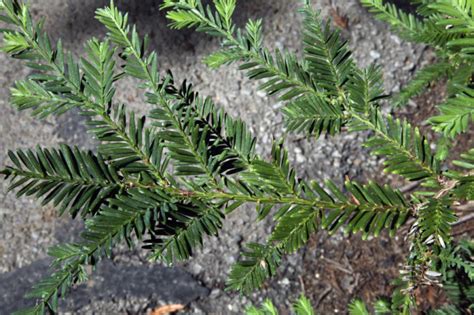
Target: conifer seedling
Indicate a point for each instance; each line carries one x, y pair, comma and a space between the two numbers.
169, 178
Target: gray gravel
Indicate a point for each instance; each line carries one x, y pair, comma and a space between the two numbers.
27, 230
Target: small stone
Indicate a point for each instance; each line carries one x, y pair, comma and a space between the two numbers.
285, 282
196, 269
214, 293
409, 66
261, 94
374, 54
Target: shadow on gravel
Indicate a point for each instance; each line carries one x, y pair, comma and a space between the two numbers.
111, 282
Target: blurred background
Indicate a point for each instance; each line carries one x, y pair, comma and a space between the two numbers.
330, 271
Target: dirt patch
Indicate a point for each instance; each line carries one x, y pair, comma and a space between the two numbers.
338, 272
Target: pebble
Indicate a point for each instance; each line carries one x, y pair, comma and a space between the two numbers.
285, 281
374, 54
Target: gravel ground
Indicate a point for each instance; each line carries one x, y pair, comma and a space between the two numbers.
27, 230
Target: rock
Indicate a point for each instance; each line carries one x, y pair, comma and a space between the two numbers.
109, 282
374, 54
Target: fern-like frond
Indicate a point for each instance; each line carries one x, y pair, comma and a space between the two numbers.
434, 222
48, 291
187, 224
128, 144
75, 181
303, 306
124, 214
30, 94
402, 299
464, 177
281, 71
407, 152
193, 14
357, 307
467, 160
457, 257
365, 89
258, 263
458, 14
406, 24
314, 116
328, 57
460, 77
295, 227
422, 79
229, 139
370, 209
456, 114
445, 24
99, 72
138, 64
193, 137
267, 308
277, 178
185, 140
59, 75
446, 310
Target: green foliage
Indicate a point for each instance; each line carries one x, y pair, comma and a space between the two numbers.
358, 307
267, 309
435, 221
329, 59
421, 80
259, 262
456, 114
167, 179
404, 23
407, 152
457, 257
449, 27
72, 180
302, 306
314, 116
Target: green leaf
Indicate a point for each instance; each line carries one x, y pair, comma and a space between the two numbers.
314, 116
76, 181
303, 306
357, 307
435, 221
328, 57
422, 79
407, 152
267, 308
258, 263
407, 25
456, 114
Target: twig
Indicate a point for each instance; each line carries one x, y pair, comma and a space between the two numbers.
409, 187
337, 266
468, 207
323, 296
302, 285
464, 219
